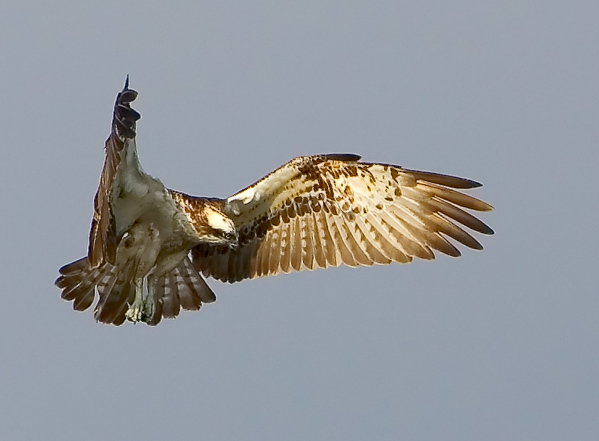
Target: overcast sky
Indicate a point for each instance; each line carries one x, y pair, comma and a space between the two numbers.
496, 345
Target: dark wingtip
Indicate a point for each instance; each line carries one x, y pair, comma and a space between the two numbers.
342, 156
124, 116
127, 95
445, 180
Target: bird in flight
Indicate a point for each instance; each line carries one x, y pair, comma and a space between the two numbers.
149, 246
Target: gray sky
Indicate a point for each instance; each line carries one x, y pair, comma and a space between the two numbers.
496, 345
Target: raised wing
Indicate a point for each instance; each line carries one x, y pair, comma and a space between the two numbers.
321, 211
102, 237
137, 264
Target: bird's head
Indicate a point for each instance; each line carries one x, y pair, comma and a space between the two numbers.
217, 228
209, 224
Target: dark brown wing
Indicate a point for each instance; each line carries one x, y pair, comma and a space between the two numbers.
328, 210
102, 236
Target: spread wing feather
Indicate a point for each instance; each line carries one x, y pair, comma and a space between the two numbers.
328, 210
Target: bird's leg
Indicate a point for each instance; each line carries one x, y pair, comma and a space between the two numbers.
135, 312
150, 303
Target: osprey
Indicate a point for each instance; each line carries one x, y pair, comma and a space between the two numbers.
149, 246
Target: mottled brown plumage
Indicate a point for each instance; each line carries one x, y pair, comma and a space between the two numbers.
148, 245
331, 210
140, 238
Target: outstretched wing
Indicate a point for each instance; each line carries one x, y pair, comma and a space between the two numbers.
102, 236
328, 210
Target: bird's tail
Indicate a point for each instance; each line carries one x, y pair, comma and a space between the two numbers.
183, 287
80, 282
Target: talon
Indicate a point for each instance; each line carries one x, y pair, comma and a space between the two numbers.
134, 315
135, 312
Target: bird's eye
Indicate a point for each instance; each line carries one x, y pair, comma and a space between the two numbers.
229, 236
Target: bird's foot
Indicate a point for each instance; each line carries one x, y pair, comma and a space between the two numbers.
135, 313
141, 311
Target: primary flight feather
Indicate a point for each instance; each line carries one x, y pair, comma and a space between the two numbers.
150, 245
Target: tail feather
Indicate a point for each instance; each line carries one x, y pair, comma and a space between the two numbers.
84, 302
182, 288
198, 291
159, 294
116, 293
201, 286
170, 298
78, 281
